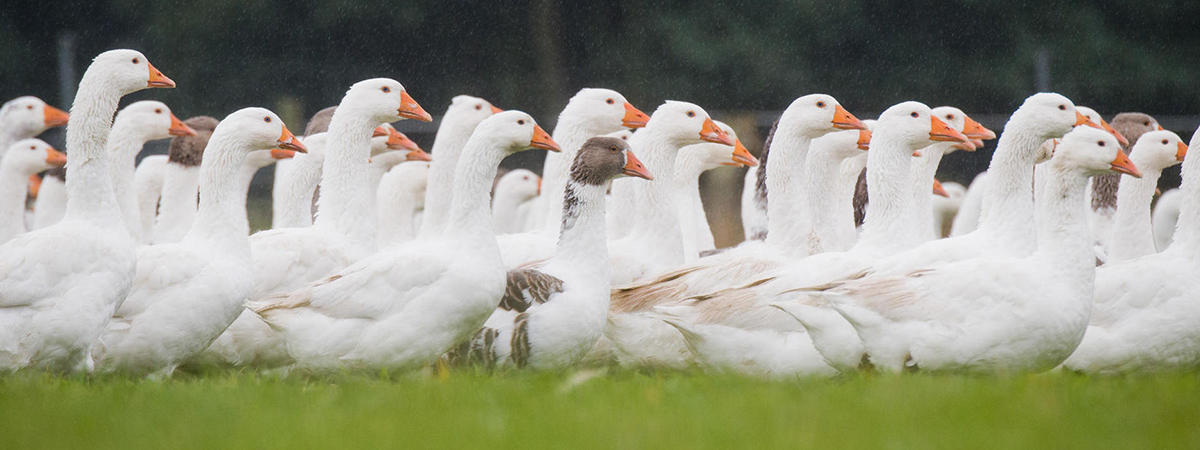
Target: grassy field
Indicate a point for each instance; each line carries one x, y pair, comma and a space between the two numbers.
604, 410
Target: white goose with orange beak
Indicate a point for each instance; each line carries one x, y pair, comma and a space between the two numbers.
136, 124
24, 159
26, 117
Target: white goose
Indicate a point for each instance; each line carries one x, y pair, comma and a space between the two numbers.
1131, 235
1027, 315
690, 164
288, 258
404, 307
834, 163
181, 181
26, 117
185, 294
296, 184
62, 283
1145, 313
514, 189
462, 116
553, 313
22, 159
148, 183
136, 124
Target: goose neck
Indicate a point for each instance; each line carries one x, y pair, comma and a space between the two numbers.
1008, 199
89, 185
177, 208
924, 169
1187, 230
295, 198
224, 181
448, 146
570, 133
398, 202
582, 241
887, 223
345, 199
823, 174
470, 213
13, 188
787, 221
1132, 235
1062, 233
659, 199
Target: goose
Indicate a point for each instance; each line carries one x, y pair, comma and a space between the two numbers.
926, 166
26, 117
186, 293
136, 124
590, 112
56, 303
513, 190
181, 181
690, 164
1165, 219
401, 196
946, 207
902, 133
829, 206
533, 220
51, 202
1026, 315
1102, 191
148, 183
807, 118
21, 160
286, 259
1131, 235
655, 243
1144, 315
462, 116
397, 148
404, 307
296, 179
553, 312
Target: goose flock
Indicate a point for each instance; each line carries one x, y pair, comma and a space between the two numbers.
382, 256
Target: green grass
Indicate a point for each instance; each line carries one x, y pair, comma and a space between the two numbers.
616, 410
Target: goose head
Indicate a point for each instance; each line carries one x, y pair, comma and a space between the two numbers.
127, 71
603, 158
468, 111
1098, 121
914, 126
188, 150
685, 124
1049, 115
259, 129
957, 120
383, 100
1132, 125
520, 183
815, 115
717, 155
1158, 150
30, 156
514, 131
1094, 152
607, 110
386, 138
29, 116
149, 120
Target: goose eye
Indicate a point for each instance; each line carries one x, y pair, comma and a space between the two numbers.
478, 107
386, 89
820, 104
29, 107
609, 101
1164, 142
1062, 107
521, 122
1143, 123
691, 114
1100, 143
949, 116
915, 114
135, 60
158, 111
613, 148
267, 119
33, 147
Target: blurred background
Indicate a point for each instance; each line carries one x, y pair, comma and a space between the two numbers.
741, 60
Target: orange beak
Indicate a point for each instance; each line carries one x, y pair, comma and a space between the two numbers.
939, 131
157, 79
1122, 164
541, 139
1159, 127
496, 110
418, 155
939, 190
978, 143
1081, 119
54, 117
917, 153
35, 184
633, 117
1120, 139
279, 153
974, 130
409, 109
178, 128
399, 141
380, 131
968, 146
864, 140
55, 158
635, 168
843, 120
288, 141
712, 133
741, 156
1181, 151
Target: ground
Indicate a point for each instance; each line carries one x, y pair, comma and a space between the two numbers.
598, 410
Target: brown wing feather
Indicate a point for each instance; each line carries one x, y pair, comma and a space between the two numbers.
526, 286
